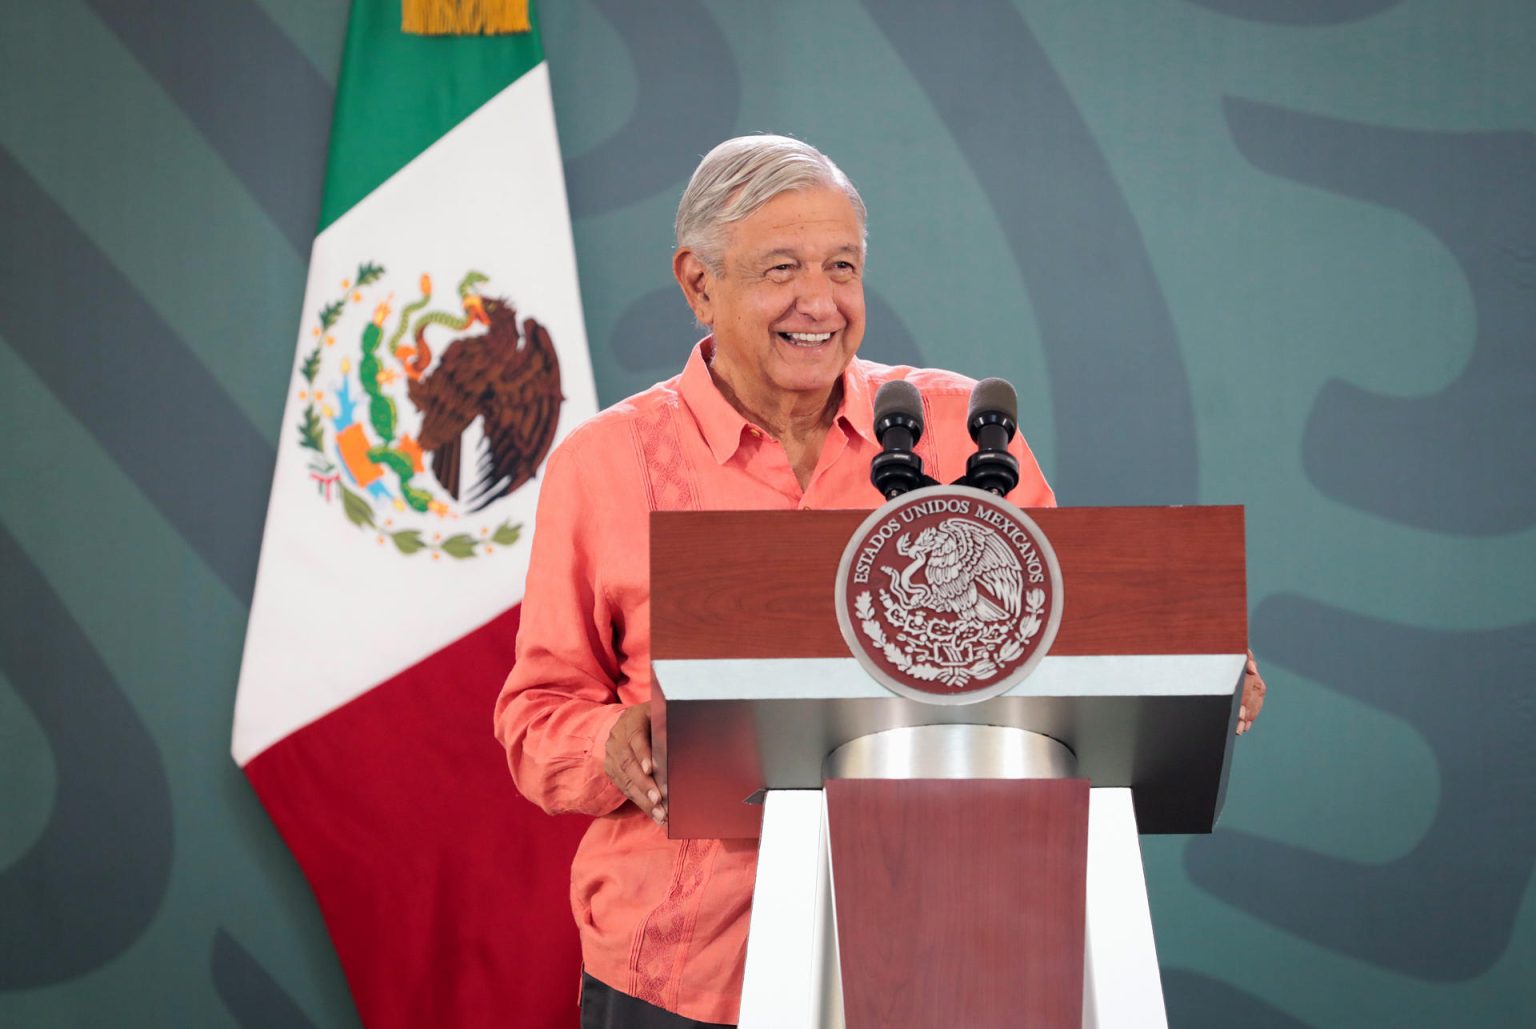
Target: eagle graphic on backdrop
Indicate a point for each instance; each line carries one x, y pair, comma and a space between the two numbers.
507, 377
967, 570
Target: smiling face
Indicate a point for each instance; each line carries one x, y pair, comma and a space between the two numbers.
787, 308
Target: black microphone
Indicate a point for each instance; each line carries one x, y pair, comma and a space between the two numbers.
898, 427
993, 418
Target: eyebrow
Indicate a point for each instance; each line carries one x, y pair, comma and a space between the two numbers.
847, 248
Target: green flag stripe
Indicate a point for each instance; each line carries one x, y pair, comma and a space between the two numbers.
399, 94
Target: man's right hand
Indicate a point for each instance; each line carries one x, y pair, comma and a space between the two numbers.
627, 761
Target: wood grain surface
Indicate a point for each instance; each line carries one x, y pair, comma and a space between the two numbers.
960, 902
1135, 580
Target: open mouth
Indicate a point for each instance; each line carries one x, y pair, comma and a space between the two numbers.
808, 340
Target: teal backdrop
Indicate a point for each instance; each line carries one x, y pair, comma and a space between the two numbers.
1278, 253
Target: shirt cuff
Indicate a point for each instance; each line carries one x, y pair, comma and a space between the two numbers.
607, 798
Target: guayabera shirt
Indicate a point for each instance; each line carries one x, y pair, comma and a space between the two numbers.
666, 920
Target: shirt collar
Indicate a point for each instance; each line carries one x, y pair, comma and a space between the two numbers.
722, 425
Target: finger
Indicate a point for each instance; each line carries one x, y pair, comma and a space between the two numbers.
640, 754
638, 786
623, 770
640, 746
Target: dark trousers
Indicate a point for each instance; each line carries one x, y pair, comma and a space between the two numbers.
603, 1007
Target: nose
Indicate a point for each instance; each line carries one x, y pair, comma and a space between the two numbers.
815, 297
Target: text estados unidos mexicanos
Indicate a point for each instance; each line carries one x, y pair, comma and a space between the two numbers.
871, 548
1015, 534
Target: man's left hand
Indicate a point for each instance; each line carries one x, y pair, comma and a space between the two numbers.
1253, 696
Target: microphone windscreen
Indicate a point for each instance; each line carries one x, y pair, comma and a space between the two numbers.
899, 397
994, 395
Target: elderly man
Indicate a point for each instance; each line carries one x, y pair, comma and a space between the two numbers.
772, 411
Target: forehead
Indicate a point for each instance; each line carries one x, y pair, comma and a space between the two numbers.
821, 220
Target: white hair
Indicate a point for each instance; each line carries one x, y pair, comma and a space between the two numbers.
739, 176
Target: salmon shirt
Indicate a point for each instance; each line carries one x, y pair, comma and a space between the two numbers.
666, 920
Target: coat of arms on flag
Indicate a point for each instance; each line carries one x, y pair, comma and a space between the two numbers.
418, 427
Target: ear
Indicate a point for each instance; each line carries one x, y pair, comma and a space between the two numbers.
694, 277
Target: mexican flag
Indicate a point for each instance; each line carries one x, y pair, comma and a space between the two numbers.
441, 353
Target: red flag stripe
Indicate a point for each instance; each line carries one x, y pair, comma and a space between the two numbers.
446, 893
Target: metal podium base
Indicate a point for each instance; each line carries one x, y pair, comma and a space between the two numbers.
792, 969
952, 752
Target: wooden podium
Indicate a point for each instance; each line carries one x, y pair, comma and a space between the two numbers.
947, 864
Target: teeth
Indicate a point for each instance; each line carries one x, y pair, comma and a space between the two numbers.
808, 337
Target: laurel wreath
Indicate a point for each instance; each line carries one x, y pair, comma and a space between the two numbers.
894, 654
460, 546
955, 677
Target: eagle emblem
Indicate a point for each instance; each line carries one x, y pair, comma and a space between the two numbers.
434, 417
949, 592
966, 570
